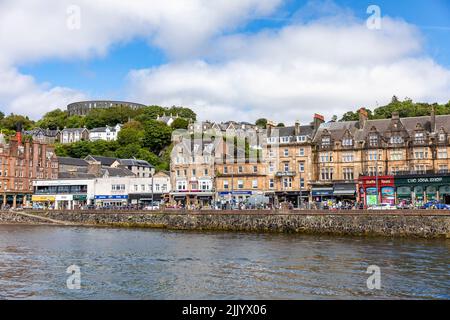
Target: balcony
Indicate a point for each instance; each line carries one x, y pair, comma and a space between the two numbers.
286, 174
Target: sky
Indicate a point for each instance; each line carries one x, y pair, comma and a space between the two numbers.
227, 60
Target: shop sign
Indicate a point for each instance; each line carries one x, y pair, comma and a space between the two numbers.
80, 197
109, 197
43, 198
66, 197
422, 180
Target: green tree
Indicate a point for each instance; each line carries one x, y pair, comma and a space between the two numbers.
10, 122
157, 135
180, 123
53, 120
130, 135
281, 124
262, 123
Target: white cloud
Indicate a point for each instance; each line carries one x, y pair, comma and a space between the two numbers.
327, 66
35, 30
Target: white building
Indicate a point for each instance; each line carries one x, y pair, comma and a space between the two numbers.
72, 194
105, 133
71, 135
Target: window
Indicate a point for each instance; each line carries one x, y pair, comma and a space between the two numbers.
255, 184
419, 137
374, 155
286, 166
271, 153
284, 139
271, 167
326, 173
441, 137
326, 141
443, 168
326, 157
143, 187
396, 140
347, 157
301, 152
240, 169
348, 174
301, 166
225, 170
396, 155
420, 168
286, 152
373, 171
271, 184
240, 184
181, 185
442, 153
206, 172
287, 182
225, 184
373, 140
301, 138
302, 183
193, 172
421, 153
205, 185
255, 169
346, 142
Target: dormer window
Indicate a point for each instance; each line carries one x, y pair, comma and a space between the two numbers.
284, 139
373, 140
326, 141
347, 142
441, 137
301, 138
420, 137
396, 140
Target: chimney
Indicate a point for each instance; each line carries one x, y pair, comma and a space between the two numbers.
433, 118
318, 120
19, 133
297, 127
395, 115
363, 116
94, 168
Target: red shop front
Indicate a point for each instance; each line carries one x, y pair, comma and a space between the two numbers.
368, 193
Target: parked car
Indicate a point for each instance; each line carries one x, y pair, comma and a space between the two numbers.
383, 206
152, 206
435, 206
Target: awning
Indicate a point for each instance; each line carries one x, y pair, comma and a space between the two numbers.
319, 192
344, 189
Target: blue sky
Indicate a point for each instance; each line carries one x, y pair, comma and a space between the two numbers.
142, 65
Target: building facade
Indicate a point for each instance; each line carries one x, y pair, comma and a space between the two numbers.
84, 107
21, 163
105, 133
71, 135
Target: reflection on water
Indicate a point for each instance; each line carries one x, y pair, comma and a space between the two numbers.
155, 264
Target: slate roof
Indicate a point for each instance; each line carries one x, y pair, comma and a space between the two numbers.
134, 162
105, 161
72, 161
117, 172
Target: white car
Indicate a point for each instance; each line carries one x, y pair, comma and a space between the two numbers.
383, 206
154, 206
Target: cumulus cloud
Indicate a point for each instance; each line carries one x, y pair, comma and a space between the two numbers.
328, 66
36, 30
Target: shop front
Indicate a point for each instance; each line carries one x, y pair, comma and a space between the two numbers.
376, 190
421, 189
234, 197
43, 202
296, 198
193, 198
323, 195
144, 199
345, 192
111, 201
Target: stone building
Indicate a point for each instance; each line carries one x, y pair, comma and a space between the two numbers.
84, 107
289, 160
21, 163
71, 135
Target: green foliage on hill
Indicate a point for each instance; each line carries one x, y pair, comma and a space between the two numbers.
405, 108
141, 136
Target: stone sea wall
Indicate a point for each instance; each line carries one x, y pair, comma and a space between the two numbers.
365, 223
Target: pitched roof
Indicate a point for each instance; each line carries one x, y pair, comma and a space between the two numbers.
72, 161
134, 162
105, 161
117, 172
